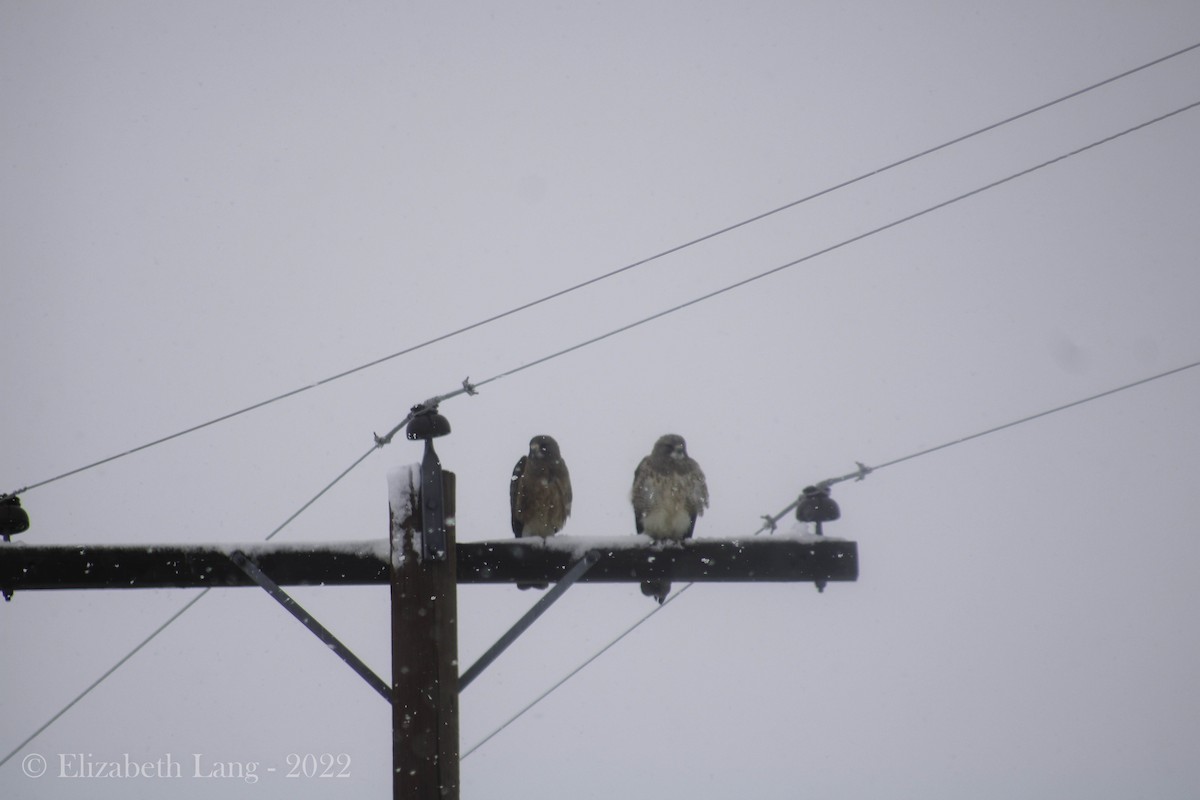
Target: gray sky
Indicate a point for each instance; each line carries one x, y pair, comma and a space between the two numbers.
205, 205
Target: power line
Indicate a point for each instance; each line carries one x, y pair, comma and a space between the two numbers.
380, 441
108, 672
843, 243
576, 671
1038, 416
470, 388
615, 272
863, 470
858, 474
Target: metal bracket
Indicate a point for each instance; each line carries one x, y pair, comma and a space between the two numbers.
433, 515
573, 574
296, 610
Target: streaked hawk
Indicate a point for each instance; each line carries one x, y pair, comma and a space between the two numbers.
540, 493
669, 492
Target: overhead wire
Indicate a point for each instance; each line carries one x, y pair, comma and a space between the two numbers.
612, 273
176, 615
380, 441
857, 238
772, 520
1030, 418
105, 675
574, 672
863, 471
153, 634
472, 388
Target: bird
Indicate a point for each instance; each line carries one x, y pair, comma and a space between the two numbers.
669, 492
540, 493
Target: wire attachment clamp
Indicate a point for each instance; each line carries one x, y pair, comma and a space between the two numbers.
428, 424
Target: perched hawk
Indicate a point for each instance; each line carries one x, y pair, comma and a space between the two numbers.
669, 492
540, 493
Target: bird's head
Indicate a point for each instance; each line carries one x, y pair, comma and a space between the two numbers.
671, 446
543, 447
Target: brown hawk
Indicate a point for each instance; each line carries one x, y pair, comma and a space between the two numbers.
540, 493
669, 492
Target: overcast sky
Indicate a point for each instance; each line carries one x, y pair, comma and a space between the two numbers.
203, 205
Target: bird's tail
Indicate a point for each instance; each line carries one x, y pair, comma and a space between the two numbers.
658, 588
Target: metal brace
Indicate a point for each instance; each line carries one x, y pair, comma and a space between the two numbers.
573, 574
258, 576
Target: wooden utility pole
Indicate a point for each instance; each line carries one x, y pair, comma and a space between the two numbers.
423, 564
424, 654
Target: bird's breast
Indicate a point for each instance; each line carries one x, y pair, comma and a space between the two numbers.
669, 520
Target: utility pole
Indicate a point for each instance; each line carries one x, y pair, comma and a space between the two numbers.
425, 750
423, 563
